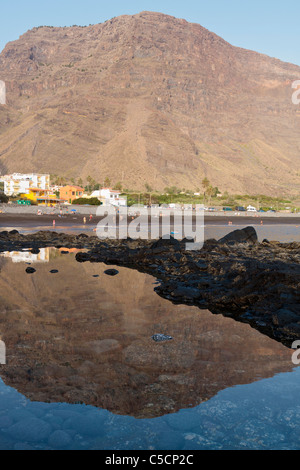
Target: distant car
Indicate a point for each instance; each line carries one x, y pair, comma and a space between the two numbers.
211, 209
240, 209
251, 209
227, 209
272, 210
261, 210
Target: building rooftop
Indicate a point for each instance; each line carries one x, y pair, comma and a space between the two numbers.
72, 186
40, 189
50, 199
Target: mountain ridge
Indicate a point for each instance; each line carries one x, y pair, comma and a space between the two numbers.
149, 98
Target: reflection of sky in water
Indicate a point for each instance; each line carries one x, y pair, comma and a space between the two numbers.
263, 415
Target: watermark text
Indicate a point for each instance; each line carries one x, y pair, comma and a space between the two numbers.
2, 353
2, 92
296, 94
296, 354
152, 223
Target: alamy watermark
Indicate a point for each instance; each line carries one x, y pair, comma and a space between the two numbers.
2, 353
152, 223
296, 354
2, 92
296, 94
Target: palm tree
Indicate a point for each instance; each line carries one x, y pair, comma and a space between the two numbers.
89, 180
61, 181
210, 192
205, 183
118, 186
107, 182
205, 186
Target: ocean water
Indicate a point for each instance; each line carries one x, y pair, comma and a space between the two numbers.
284, 233
264, 415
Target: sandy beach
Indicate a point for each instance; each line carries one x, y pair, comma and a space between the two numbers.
279, 227
24, 219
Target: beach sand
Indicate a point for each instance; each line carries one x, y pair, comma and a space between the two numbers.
280, 228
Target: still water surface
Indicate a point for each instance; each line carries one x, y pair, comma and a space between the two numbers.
83, 372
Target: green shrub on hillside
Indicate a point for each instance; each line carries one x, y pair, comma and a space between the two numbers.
3, 198
83, 201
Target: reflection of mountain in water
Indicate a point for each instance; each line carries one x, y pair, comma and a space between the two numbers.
72, 337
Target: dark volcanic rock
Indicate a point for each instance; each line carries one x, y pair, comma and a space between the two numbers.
246, 235
82, 257
163, 242
111, 272
30, 270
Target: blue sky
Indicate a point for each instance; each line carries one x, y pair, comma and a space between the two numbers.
267, 26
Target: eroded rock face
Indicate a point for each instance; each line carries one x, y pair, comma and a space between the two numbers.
253, 283
133, 88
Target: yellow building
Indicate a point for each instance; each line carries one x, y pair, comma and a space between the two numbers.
42, 197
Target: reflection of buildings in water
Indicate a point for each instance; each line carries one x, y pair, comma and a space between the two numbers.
26, 256
44, 256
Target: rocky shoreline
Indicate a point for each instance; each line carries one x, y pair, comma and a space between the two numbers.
255, 283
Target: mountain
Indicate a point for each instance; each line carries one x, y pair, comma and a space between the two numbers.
149, 99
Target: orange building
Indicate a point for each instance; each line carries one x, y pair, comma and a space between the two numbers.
70, 193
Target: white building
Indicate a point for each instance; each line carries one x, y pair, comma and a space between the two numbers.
108, 196
21, 183
55, 188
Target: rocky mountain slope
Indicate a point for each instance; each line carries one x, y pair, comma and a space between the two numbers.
149, 98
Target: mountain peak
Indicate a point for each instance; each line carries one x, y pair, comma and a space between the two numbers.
149, 98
